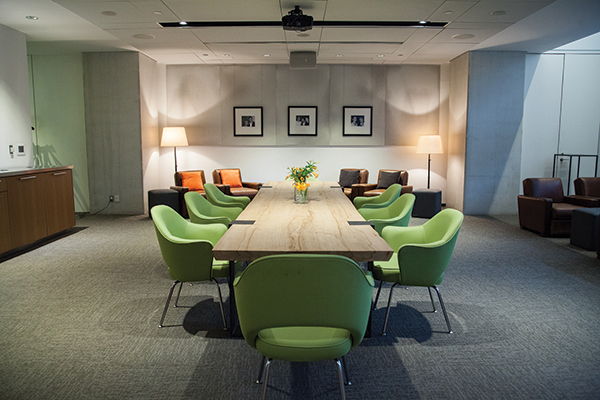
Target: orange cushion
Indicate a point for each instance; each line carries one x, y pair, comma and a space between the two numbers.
192, 180
231, 177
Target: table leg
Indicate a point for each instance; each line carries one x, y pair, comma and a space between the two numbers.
232, 308
370, 323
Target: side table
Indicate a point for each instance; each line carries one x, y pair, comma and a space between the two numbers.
428, 202
167, 197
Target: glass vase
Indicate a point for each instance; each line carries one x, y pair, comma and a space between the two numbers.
300, 196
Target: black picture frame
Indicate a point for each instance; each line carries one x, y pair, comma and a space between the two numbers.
358, 121
302, 121
247, 121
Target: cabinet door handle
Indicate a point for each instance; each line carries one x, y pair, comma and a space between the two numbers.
28, 177
59, 173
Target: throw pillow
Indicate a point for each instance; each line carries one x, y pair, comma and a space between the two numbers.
231, 177
387, 179
192, 180
348, 177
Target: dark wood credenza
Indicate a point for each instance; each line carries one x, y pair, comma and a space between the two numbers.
35, 204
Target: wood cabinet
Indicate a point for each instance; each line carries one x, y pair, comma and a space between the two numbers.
5, 242
39, 203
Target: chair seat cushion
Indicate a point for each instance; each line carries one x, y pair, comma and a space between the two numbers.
373, 193
387, 271
304, 343
220, 269
244, 191
563, 211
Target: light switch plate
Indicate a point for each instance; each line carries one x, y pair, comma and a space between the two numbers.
20, 149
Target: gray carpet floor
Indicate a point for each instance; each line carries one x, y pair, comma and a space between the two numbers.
79, 320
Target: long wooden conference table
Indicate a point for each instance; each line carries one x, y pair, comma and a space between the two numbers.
274, 224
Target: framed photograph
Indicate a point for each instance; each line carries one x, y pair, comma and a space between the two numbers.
247, 121
302, 121
358, 121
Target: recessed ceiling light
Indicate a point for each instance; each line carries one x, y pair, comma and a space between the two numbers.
380, 55
144, 36
204, 55
182, 23
225, 55
304, 35
157, 12
109, 13
339, 55
463, 36
32, 17
422, 22
400, 55
449, 12
498, 13
266, 55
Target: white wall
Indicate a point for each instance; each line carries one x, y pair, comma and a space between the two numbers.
562, 114
15, 118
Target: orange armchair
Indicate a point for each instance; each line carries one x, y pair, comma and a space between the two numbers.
232, 177
385, 179
192, 180
350, 178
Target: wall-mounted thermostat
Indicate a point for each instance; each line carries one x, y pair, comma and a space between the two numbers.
20, 149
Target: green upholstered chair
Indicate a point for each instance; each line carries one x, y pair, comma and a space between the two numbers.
216, 197
187, 250
383, 200
421, 255
201, 211
396, 214
303, 307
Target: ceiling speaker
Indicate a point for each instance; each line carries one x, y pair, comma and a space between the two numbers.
303, 60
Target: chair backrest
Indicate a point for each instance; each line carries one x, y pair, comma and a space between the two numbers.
588, 186
197, 204
544, 187
402, 206
213, 192
185, 247
178, 181
216, 174
303, 290
402, 177
390, 194
424, 263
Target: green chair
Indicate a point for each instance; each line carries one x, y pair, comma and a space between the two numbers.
383, 200
187, 250
396, 214
216, 197
303, 307
202, 212
421, 255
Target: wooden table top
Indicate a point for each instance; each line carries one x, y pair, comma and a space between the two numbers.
318, 227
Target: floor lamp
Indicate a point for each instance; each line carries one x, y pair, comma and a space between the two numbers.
174, 136
429, 144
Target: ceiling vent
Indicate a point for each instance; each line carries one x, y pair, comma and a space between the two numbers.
303, 60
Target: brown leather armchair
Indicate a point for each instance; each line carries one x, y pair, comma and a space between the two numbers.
544, 209
349, 180
249, 189
385, 178
184, 189
587, 188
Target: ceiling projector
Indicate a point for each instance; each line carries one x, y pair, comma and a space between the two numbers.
297, 21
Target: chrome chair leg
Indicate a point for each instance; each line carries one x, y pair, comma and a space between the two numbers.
265, 378
347, 382
431, 297
340, 374
177, 298
260, 372
221, 304
162, 319
387, 313
443, 309
377, 296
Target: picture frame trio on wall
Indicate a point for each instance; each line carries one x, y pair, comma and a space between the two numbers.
302, 121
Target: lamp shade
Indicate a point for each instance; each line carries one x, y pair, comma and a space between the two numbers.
174, 136
430, 144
